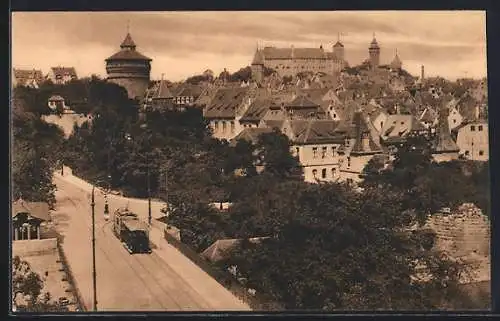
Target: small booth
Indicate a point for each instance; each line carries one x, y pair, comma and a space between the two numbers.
27, 218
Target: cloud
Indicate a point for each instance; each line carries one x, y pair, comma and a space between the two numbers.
193, 39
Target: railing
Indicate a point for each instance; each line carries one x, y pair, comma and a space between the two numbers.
71, 280
256, 302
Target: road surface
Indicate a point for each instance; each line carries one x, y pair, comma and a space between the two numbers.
162, 281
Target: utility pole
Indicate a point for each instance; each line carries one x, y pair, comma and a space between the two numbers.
94, 279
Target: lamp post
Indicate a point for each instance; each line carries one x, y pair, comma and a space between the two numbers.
94, 279
94, 274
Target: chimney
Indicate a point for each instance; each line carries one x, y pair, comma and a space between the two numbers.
422, 74
293, 52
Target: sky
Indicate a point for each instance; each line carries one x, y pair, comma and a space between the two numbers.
451, 44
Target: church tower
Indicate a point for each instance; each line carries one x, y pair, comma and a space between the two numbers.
396, 63
129, 69
374, 52
257, 66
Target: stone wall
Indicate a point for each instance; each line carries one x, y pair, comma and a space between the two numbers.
465, 234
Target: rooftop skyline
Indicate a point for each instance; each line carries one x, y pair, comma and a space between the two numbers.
183, 44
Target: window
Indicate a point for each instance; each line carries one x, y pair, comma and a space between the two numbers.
224, 126
334, 171
480, 128
323, 153
297, 150
481, 153
216, 125
315, 172
323, 173
348, 161
466, 153
334, 116
232, 127
315, 152
472, 128
381, 124
333, 151
454, 121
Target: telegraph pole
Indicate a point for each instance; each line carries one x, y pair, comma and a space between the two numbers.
94, 279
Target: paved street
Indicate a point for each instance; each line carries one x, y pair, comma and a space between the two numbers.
162, 281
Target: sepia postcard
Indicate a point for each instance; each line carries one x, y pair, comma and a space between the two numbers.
249, 161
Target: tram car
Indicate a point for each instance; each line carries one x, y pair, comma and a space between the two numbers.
132, 232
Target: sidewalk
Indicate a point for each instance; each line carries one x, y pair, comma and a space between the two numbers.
198, 279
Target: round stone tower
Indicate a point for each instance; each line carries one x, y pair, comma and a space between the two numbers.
129, 69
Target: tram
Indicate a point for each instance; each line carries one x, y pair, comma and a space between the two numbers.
132, 232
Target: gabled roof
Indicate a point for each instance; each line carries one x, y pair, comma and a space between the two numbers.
428, 115
252, 134
315, 95
39, 210
162, 91
64, 71
188, 90
272, 123
316, 131
257, 110
23, 76
219, 248
400, 125
362, 131
338, 44
226, 102
302, 102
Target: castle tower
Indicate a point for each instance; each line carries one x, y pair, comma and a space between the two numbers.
257, 66
338, 49
129, 69
422, 74
374, 52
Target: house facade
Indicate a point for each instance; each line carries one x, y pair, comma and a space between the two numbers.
62, 75
225, 111
472, 140
29, 78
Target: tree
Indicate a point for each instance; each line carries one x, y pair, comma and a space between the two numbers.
336, 249
37, 148
27, 285
273, 153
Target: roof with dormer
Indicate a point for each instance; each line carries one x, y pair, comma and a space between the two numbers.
316, 131
257, 110
226, 102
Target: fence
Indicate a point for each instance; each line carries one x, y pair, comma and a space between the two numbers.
71, 280
257, 302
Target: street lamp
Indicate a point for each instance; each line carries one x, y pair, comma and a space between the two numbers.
94, 275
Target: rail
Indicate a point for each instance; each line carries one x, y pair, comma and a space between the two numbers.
257, 302
80, 303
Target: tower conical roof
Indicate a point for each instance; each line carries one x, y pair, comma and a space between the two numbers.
128, 42
258, 58
374, 44
396, 62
